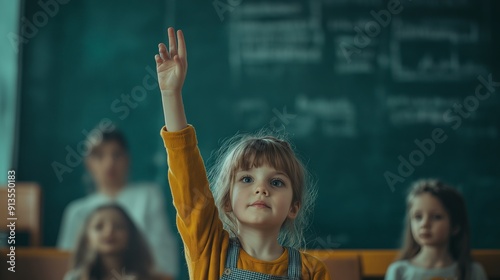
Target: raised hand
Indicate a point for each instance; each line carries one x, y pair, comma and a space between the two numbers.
171, 65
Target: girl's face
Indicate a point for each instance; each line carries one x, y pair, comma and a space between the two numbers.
108, 232
108, 164
262, 197
430, 222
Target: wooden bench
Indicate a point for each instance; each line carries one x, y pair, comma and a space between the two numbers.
50, 263
35, 263
373, 264
28, 209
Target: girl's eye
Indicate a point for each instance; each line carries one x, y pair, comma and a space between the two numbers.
117, 155
246, 179
417, 217
99, 226
277, 183
438, 217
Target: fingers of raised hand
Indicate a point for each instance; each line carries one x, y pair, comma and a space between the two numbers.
177, 48
158, 60
172, 42
162, 50
182, 45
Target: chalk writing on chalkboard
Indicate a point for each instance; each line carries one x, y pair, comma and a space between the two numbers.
263, 34
435, 50
410, 110
326, 117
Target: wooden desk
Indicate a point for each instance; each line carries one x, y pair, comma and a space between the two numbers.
49, 263
374, 263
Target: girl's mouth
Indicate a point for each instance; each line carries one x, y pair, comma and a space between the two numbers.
425, 235
260, 204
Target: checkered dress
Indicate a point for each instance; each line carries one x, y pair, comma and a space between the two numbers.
231, 272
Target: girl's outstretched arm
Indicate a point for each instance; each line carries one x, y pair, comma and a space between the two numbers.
197, 219
171, 66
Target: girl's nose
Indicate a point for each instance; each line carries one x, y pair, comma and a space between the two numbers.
261, 189
426, 221
108, 230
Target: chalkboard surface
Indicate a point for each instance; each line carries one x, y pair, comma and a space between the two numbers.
374, 94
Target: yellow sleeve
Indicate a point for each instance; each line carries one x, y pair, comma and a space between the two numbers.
314, 268
321, 273
197, 217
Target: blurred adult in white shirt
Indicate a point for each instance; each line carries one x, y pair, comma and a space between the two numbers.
108, 164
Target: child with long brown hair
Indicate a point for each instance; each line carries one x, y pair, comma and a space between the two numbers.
111, 247
436, 238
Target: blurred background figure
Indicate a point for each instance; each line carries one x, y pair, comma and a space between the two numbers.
436, 236
108, 163
111, 247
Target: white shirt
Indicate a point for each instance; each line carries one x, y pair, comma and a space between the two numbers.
404, 270
144, 204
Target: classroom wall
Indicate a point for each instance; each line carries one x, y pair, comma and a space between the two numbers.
353, 104
9, 77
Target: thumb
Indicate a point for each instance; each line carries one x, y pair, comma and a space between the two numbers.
158, 60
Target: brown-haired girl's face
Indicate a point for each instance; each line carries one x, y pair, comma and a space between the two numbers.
430, 222
108, 164
107, 232
262, 197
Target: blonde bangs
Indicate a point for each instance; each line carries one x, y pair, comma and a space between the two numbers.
259, 152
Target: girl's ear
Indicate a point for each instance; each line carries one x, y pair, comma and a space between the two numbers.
456, 230
294, 210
